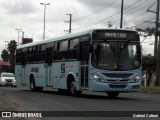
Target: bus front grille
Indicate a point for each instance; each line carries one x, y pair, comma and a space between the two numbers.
118, 81
113, 75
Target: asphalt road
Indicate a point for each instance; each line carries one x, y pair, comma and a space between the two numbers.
51, 100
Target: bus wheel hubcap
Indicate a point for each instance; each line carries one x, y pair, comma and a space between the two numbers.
72, 87
31, 85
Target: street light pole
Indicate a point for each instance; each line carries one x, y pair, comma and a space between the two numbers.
44, 18
18, 33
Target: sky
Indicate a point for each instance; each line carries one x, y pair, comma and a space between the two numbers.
28, 15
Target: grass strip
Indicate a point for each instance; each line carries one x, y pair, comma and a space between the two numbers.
151, 89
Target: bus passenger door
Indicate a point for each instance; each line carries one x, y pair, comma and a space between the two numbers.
84, 56
48, 67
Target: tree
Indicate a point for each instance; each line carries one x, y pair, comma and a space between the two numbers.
12, 45
5, 55
146, 32
149, 64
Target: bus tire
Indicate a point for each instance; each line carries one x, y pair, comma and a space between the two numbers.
112, 94
72, 88
32, 84
33, 87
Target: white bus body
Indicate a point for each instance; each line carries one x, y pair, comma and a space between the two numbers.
103, 60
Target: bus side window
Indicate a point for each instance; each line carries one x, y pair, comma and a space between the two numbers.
19, 57
64, 50
34, 54
49, 53
73, 49
55, 51
29, 54
43, 53
84, 49
84, 52
24, 56
61, 49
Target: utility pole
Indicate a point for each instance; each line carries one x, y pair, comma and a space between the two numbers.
18, 33
156, 36
70, 23
157, 49
121, 22
5, 44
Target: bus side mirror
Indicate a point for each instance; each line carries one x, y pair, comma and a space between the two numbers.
90, 48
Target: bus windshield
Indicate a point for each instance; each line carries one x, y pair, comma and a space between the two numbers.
116, 55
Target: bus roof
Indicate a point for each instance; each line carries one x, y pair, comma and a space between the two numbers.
4, 63
67, 36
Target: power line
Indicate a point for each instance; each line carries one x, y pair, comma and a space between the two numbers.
135, 17
144, 22
56, 28
104, 20
125, 9
133, 11
118, 12
95, 11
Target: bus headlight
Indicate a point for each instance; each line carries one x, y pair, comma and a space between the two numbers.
137, 79
96, 77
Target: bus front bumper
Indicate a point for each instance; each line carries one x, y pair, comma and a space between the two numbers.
120, 87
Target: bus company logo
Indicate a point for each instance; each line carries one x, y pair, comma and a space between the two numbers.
117, 81
34, 70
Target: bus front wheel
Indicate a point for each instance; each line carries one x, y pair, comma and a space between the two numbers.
112, 94
33, 87
32, 84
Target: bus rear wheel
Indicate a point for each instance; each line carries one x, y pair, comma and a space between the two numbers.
72, 89
112, 94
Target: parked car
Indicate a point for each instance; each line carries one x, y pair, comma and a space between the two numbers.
7, 79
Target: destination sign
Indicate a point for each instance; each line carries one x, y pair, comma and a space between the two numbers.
115, 35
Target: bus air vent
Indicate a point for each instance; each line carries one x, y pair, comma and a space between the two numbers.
117, 75
117, 86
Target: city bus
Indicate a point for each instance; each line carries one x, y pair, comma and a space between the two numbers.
95, 60
5, 67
